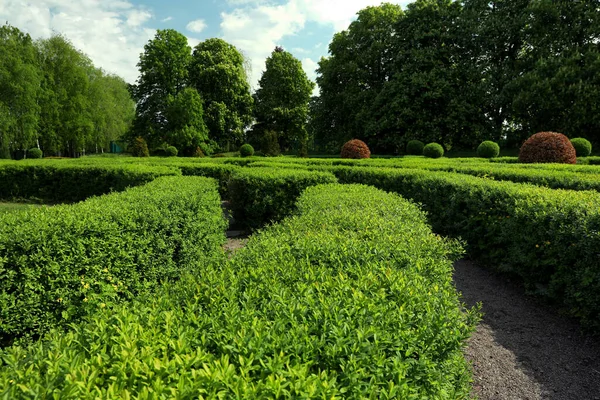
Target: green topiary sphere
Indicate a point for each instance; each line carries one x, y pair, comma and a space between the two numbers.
583, 147
433, 150
246, 150
171, 151
488, 149
415, 148
34, 153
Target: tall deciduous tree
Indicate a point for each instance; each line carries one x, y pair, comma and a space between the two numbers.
19, 88
217, 72
281, 102
186, 128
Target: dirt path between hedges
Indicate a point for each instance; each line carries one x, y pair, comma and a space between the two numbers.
523, 349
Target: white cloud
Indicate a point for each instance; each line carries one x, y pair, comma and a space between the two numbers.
111, 32
310, 67
196, 26
166, 19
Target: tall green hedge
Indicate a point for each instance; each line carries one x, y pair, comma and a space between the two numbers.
262, 195
59, 263
351, 299
547, 236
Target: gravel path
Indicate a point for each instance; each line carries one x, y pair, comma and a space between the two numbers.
523, 349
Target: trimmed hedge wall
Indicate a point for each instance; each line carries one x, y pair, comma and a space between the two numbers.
59, 263
262, 195
549, 237
60, 182
351, 299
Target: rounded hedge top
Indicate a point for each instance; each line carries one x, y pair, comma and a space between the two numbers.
488, 149
34, 153
355, 149
548, 147
171, 151
433, 150
583, 147
246, 150
415, 148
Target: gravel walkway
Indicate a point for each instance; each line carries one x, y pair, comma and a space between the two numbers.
523, 349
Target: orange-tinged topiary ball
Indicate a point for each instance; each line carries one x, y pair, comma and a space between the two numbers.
548, 147
355, 149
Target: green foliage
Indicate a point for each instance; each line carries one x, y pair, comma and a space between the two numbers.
34, 152
218, 73
262, 195
56, 182
415, 148
538, 233
69, 261
246, 150
281, 101
171, 151
352, 299
583, 147
548, 147
270, 144
355, 149
139, 147
433, 150
488, 149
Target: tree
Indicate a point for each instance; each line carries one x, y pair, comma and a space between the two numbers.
186, 129
360, 63
218, 74
163, 72
281, 102
20, 79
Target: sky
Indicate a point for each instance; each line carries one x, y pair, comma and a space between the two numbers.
113, 32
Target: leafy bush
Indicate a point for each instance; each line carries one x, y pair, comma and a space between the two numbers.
350, 299
68, 261
433, 150
355, 149
220, 172
34, 153
262, 195
171, 151
503, 220
415, 148
488, 149
246, 150
548, 147
56, 181
139, 148
583, 147
270, 144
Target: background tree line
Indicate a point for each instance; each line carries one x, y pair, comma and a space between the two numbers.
459, 72
53, 98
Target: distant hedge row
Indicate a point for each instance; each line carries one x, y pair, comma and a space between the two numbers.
352, 299
58, 264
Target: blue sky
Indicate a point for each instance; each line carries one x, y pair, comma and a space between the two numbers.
113, 32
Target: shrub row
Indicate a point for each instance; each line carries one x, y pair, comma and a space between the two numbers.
350, 299
58, 263
57, 181
548, 237
262, 195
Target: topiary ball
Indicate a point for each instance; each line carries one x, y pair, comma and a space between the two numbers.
488, 149
34, 153
355, 149
415, 148
583, 147
246, 150
171, 151
548, 147
433, 150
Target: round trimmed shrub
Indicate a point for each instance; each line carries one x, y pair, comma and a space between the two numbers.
415, 148
246, 150
488, 149
433, 150
139, 148
583, 147
355, 149
34, 153
548, 147
171, 151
